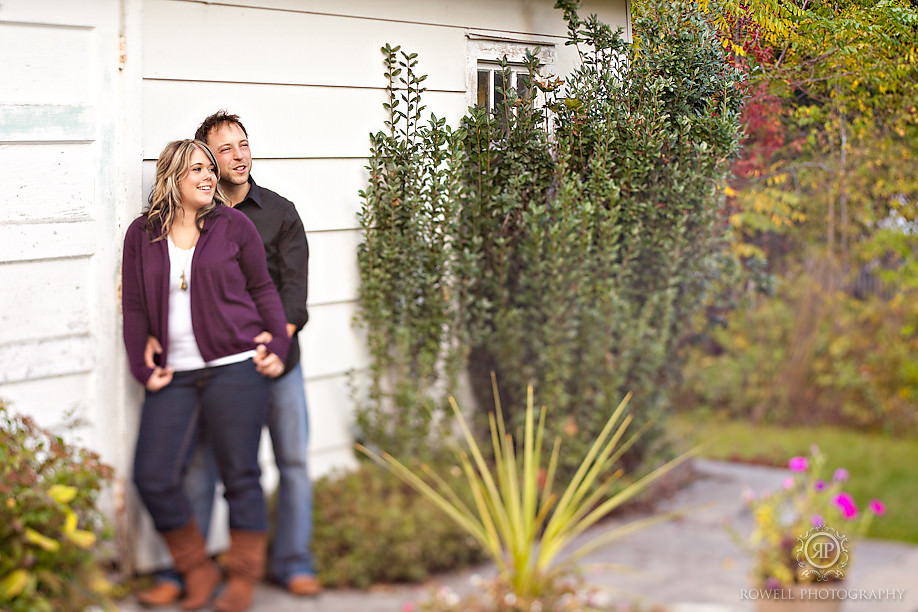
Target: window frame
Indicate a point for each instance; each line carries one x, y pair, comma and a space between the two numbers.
489, 49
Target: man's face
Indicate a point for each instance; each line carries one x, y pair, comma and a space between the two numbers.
231, 148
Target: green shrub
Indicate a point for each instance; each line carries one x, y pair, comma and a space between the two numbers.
587, 254
809, 355
571, 259
49, 523
370, 527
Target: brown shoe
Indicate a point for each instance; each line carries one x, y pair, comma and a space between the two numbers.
163, 593
303, 585
200, 574
245, 565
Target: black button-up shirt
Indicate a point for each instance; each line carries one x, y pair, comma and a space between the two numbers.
281, 229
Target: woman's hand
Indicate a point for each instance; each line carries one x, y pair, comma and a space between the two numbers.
267, 364
159, 378
152, 348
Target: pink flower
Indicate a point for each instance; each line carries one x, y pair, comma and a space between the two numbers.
820, 485
408, 607
840, 475
817, 521
877, 507
788, 483
847, 505
798, 464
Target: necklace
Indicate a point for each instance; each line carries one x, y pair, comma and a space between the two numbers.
183, 279
183, 284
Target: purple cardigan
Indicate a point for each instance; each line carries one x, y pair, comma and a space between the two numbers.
232, 296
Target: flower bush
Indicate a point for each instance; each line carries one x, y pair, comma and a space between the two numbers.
811, 509
50, 525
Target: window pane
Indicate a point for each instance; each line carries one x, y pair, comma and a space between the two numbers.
522, 86
498, 88
484, 88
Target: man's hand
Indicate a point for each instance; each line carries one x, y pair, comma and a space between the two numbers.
152, 348
159, 378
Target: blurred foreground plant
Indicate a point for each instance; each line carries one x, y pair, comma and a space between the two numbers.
521, 516
801, 531
49, 522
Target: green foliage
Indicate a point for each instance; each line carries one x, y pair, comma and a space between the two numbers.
587, 254
405, 266
811, 356
49, 522
565, 240
370, 528
834, 188
519, 517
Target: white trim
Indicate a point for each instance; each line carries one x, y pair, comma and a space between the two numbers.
490, 48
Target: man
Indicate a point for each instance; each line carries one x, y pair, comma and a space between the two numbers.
281, 229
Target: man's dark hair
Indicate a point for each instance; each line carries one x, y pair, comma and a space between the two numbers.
215, 121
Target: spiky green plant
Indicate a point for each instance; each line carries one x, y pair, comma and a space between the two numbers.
520, 515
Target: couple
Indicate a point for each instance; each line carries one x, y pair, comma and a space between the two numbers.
214, 292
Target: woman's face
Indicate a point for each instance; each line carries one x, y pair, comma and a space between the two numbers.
197, 186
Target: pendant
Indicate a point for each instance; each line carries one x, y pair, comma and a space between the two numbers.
182, 284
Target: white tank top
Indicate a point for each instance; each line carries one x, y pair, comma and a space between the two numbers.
184, 354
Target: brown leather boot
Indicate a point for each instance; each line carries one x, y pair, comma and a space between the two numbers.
245, 566
200, 574
163, 593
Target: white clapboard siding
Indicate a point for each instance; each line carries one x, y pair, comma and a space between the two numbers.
64, 108
288, 121
333, 271
506, 16
47, 404
322, 189
45, 181
290, 45
331, 344
330, 422
35, 73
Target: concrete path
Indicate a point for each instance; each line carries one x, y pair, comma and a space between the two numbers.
688, 564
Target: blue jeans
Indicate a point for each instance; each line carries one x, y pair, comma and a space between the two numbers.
288, 424
227, 407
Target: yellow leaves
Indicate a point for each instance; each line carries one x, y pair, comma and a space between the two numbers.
744, 250
40, 540
62, 494
729, 191
82, 538
14, 583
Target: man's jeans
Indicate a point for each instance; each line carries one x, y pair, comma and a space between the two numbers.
288, 424
231, 403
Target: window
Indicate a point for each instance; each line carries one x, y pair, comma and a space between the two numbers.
490, 86
484, 77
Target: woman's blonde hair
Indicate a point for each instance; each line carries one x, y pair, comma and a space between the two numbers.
165, 197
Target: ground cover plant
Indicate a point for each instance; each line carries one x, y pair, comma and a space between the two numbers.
50, 525
881, 467
372, 528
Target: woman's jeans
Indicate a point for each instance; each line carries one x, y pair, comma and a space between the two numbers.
288, 425
229, 405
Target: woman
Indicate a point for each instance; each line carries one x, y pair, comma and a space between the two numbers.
196, 291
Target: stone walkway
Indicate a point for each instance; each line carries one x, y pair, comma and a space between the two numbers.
689, 564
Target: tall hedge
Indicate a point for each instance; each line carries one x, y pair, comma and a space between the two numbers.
586, 225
